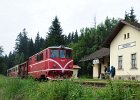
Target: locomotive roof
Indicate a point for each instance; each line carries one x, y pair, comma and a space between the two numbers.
51, 47
60, 47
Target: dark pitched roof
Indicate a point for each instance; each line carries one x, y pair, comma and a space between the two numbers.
118, 27
103, 52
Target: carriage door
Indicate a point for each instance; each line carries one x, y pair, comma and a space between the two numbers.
26, 69
20, 71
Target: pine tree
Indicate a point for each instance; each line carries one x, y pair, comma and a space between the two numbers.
76, 36
42, 41
22, 44
19, 58
31, 49
11, 60
131, 17
3, 66
1, 51
69, 40
37, 43
55, 37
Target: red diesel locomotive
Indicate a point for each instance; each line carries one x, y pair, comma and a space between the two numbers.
51, 63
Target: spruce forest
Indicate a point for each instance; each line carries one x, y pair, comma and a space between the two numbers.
83, 42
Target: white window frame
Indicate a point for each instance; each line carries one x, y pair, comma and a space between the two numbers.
120, 62
133, 61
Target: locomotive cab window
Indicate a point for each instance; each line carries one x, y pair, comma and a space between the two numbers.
62, 53
68, 54
54, 53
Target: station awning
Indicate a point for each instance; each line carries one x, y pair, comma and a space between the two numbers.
103, 52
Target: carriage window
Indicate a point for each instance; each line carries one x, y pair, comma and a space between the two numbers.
54, 53
40, 57
68, 54
62, 53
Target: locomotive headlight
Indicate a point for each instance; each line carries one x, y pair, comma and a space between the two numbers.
54, 65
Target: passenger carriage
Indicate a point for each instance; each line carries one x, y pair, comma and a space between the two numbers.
13, 72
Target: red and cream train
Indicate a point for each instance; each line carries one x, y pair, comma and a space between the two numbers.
51, 63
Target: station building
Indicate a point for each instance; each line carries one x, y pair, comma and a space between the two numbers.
123, 52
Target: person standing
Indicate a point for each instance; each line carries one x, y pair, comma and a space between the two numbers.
108, 69
112, 72
105, 69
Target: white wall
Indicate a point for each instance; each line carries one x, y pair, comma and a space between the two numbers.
125, 52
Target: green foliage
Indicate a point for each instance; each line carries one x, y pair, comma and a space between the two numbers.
55, 37
1, 51
39, 43
3, 66
15, 89
19, 58
72, 37
18, 89
22, 44
131, 17
90, 40
119, 90
31, 48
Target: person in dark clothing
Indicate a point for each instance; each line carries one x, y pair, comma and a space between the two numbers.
107, 72
105, 69
112, 71
108, 69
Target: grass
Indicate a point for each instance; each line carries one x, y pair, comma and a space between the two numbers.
28, 89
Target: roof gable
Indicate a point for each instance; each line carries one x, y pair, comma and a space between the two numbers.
117, 29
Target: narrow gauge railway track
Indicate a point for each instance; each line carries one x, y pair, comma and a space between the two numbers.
92, 83
103, 83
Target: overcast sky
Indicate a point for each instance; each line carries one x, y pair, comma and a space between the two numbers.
37, 15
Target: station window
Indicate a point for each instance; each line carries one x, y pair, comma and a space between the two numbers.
133, 61
128, 35
124, 36
120, 62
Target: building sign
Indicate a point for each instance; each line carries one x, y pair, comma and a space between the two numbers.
96, 61
127, 45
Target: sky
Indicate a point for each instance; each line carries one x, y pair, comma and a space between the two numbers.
37, 16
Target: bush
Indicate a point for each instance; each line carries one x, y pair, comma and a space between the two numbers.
116, 90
